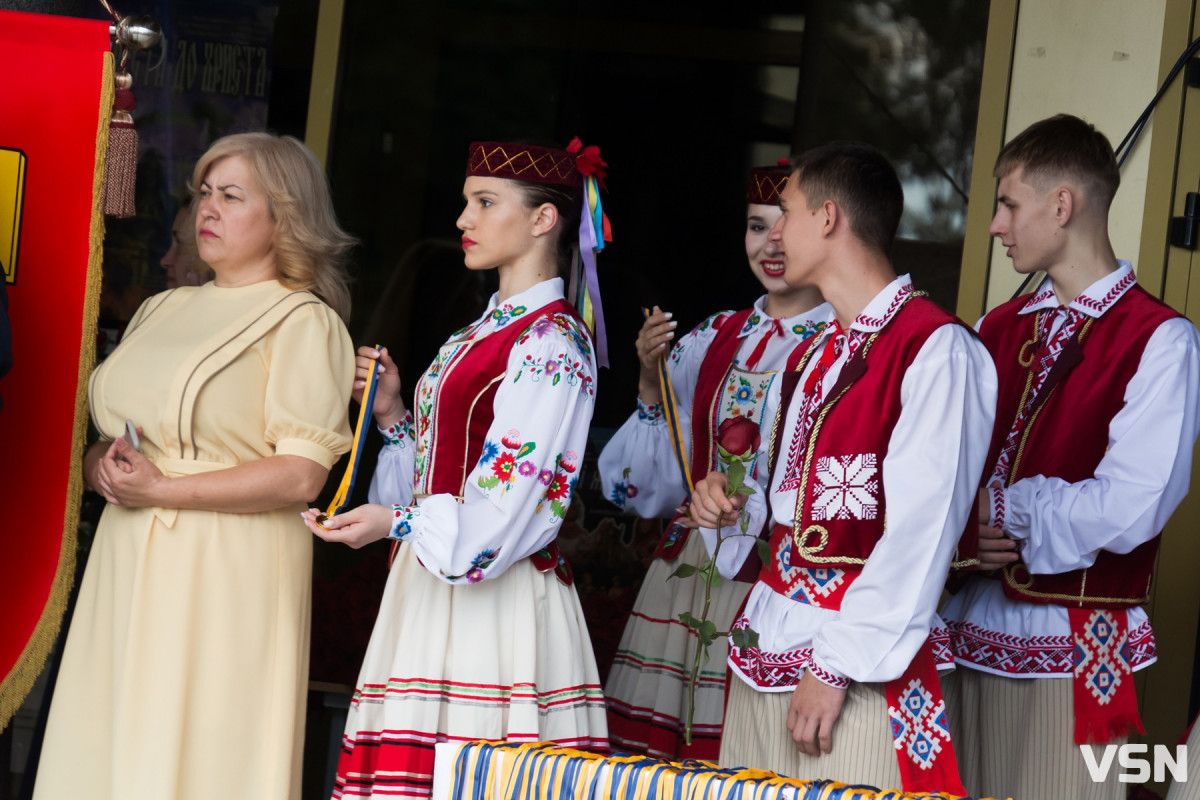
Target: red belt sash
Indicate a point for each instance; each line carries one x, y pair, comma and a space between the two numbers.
916, 709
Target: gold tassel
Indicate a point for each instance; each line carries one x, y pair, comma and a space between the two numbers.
120, 166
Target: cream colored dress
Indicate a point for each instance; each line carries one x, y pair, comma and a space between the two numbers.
186, 664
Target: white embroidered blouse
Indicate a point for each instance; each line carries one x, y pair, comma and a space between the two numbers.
517, 493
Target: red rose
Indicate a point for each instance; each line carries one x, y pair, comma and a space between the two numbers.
739, 437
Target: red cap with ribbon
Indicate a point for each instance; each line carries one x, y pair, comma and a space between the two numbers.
578, 167
767, 182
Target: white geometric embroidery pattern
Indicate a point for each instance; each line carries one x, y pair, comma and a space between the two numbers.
846, 487
919, 726
1100, 656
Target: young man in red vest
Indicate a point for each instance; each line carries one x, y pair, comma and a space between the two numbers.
875, 460
1095, 424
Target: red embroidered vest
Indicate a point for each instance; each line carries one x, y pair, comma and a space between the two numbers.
714, 368
463, 410
1066, 433
841, 511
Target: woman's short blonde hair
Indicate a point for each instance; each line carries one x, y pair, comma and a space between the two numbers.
311, 249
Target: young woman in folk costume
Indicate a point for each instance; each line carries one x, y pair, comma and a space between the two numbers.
724, 368
480, 633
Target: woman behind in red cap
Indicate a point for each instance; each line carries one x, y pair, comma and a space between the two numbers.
480, 634
723, 369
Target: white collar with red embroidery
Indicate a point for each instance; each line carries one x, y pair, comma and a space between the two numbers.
883, 306
1093, 301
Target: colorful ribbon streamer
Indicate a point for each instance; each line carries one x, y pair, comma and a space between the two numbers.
671, 412
587, 299
342, 496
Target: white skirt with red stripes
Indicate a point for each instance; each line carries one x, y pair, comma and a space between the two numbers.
503, 659
648, 686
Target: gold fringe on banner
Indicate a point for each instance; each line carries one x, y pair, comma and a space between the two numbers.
19, 681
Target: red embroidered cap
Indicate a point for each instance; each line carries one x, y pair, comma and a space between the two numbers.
767, 182
536, 164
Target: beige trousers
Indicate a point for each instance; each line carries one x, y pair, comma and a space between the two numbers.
1015, 737
1190, 790
756, 735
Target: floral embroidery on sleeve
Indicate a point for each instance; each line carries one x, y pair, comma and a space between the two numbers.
478, 564
401, 433
402, 517
507, 461
559, 483
682, 345
569, 365
557, 369
623, 490
650, 413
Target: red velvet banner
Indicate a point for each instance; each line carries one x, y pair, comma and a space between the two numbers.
55, 101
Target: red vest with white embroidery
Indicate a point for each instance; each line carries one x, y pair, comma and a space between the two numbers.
841, 512
463, 412
1066, 432
714, 368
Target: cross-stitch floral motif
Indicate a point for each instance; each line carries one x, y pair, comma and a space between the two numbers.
623, 490
562, 324
846, 487
745, 396
478, 564
808, 330
652, 412
558, 368
401, 433
751, 323
561, 484
503, 463
507, 313
402, 519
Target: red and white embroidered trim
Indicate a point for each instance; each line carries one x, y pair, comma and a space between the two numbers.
877, 323
1110, 297
1039, 655
778, 670
1014, 655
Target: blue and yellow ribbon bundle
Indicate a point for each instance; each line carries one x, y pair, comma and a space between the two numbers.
671, 412
342, 496
544, 771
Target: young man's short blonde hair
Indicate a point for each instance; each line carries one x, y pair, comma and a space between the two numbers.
1063, 147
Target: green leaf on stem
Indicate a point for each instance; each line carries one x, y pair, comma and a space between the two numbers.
737, 476
683, 571
687, 619
746, 490
764, 550
744, 637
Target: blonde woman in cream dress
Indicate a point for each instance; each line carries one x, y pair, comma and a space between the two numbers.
185, 669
